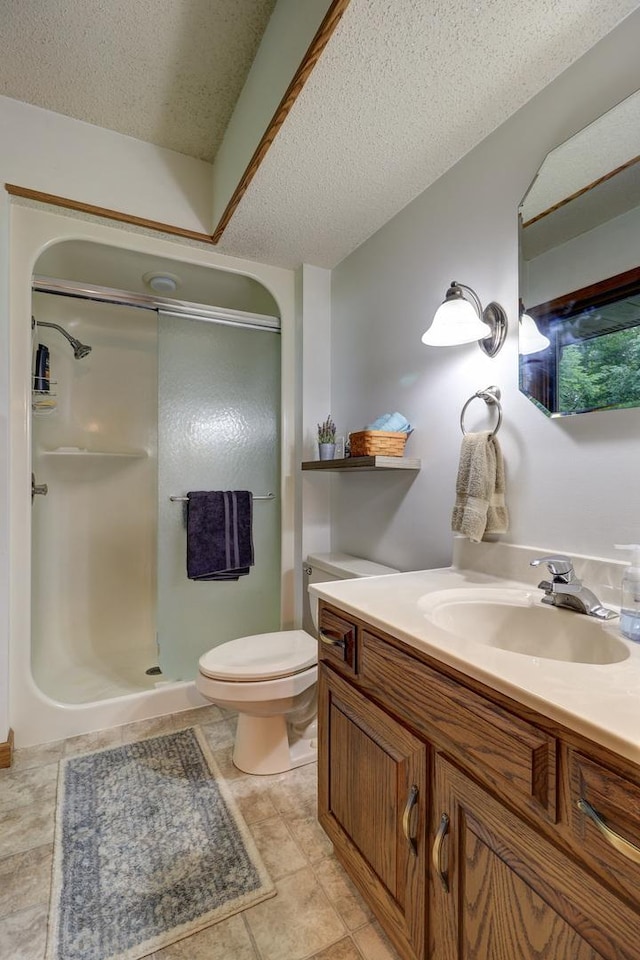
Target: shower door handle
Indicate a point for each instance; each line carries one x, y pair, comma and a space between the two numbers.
40, 489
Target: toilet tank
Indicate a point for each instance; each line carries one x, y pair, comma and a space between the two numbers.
322, 567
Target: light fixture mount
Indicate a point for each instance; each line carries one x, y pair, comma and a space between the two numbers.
495, 316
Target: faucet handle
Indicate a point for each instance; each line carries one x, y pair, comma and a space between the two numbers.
558, 564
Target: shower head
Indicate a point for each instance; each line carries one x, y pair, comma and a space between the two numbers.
80, 350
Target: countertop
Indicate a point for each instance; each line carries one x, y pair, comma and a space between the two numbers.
600, 701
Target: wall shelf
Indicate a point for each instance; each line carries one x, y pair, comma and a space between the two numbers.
364, 463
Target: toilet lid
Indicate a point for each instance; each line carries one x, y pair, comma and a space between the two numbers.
263, 656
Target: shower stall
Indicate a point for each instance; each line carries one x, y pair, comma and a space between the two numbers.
148, 398
94, 450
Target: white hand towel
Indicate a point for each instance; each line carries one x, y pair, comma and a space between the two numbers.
480, 505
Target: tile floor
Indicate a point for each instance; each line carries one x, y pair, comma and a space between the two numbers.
317, 912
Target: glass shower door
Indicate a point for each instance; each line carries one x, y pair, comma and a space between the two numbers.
218, 429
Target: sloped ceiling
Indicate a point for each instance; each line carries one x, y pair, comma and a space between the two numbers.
403, 90
165, 71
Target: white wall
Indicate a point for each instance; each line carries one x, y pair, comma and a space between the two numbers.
611, 248
45, 151
313, 401
316, 405
572, 483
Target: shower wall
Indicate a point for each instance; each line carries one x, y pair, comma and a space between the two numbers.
94, 534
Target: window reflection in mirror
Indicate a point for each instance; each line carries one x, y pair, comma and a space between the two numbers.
580, 270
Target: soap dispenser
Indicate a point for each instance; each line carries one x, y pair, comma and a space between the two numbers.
630, 607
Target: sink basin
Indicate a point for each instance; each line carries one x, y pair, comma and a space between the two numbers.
516, 620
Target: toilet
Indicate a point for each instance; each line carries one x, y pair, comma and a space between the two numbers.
270, 678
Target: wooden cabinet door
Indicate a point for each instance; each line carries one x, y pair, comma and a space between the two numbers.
500, 891
372, 804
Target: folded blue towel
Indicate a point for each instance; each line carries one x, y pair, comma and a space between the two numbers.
392, 423
219, 534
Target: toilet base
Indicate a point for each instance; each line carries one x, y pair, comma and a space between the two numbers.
262, 746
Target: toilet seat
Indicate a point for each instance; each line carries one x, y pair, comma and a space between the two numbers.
262, 656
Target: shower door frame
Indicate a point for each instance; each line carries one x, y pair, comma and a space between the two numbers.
35, 717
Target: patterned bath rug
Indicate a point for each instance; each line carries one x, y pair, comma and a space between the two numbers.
149, 848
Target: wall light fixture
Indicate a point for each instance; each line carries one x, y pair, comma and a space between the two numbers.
461, 319
531, 340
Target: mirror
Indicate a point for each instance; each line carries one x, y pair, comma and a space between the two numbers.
579, 231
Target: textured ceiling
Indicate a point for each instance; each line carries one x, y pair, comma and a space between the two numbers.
165, 71
403, 90
607, 143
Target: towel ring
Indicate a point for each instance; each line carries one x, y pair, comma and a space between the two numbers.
491, 396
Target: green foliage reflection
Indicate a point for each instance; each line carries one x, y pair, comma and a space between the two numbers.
603, 371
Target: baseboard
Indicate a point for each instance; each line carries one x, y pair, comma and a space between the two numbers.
6, 751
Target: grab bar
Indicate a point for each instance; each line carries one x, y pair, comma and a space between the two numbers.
267, 496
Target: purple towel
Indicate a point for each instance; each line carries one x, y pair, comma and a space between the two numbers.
219, 534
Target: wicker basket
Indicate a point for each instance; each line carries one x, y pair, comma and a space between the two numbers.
371, 443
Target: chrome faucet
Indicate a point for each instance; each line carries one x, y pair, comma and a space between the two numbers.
565, 590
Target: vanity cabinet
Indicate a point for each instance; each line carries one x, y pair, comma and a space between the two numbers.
372, 800
615, 800
456, 811
500, 890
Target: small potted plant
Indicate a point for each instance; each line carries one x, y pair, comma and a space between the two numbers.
327, 439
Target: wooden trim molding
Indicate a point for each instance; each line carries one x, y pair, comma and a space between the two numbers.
302, 74
51, 198
583, 190
325, 31
6, 751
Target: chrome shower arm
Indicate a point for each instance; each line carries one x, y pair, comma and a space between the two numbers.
55, 326
80, 350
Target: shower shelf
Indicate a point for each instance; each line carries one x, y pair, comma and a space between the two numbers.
77, 452
43, 402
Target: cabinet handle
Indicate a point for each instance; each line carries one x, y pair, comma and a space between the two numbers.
412, 799
436, 855
333, 641
623, 846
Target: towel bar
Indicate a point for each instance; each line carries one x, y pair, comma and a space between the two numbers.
491, 396
267, 496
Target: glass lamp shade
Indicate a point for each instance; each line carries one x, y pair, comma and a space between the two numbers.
530, 339
456, 321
